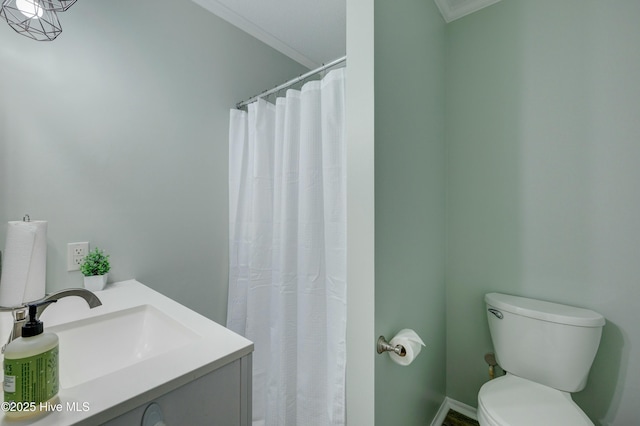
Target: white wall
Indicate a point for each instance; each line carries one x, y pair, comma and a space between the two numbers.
116, 133
360, 384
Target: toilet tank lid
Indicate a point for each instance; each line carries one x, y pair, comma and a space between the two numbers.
546, 311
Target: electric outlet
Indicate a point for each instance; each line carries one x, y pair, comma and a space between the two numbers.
75, 254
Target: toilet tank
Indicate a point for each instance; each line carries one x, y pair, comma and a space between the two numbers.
545, 342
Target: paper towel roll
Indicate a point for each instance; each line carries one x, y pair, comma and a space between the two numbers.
24, 263
412, 344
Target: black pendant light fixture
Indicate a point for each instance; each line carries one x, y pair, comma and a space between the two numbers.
58, 5
36, 19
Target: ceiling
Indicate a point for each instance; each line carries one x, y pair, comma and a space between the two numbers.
308, 31
455, 9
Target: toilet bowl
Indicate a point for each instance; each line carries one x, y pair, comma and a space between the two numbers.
547, 349
514, 401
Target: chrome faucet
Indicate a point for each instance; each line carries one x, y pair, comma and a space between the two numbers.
20, 312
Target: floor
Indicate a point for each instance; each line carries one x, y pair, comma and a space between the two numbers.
456, 419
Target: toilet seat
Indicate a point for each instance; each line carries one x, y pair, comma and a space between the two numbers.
513, 401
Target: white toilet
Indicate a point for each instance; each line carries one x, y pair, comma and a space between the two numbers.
547, 350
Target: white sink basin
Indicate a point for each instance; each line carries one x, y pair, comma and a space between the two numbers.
137, 346
97, 346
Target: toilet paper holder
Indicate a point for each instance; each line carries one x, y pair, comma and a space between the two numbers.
384, 346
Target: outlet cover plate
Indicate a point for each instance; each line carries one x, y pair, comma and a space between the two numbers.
75, 253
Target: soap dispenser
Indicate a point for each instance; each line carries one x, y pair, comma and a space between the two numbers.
30, 369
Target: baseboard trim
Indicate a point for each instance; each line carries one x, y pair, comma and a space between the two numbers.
441, 414
452, 404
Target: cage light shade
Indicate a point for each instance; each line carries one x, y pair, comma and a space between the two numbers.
58, 5
32, 19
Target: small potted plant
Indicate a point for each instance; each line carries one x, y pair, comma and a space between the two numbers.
95, 267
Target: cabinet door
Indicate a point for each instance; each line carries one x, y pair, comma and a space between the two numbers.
216, 399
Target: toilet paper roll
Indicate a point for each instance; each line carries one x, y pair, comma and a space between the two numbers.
412, 344
24, 265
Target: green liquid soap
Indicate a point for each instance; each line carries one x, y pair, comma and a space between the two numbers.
30, 370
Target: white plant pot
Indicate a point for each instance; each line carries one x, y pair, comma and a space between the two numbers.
95, 282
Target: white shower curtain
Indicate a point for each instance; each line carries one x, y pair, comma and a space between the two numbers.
287, 241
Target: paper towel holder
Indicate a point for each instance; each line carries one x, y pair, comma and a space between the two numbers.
384, 346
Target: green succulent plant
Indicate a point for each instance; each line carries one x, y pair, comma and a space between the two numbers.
96, 262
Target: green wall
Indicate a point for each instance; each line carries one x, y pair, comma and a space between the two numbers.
117, 134
409, 206
543, 147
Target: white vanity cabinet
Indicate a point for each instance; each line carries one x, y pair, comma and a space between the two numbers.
140, 348
220, 398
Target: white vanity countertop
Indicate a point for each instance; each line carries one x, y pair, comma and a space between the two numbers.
103, 398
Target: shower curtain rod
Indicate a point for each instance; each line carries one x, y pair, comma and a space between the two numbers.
292, 82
